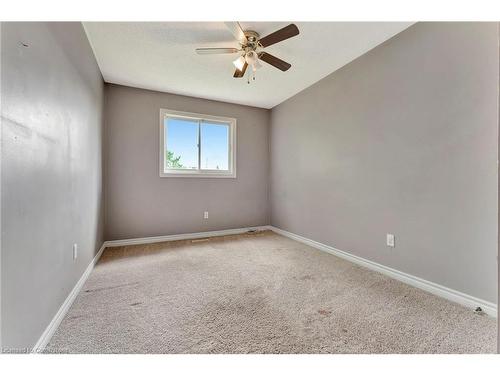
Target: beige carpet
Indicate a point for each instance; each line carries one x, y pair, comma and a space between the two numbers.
258, 293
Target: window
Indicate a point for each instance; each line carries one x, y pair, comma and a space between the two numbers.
193, 145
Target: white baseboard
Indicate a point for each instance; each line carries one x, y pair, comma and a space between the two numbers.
436, 289
52, 327
177, 237
439, 290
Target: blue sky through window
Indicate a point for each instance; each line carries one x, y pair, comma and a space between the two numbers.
214, 146
182, 140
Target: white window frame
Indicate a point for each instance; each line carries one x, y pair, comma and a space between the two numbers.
201, 173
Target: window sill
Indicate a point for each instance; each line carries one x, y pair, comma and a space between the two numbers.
197, 175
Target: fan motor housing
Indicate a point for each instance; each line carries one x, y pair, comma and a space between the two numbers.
252, 38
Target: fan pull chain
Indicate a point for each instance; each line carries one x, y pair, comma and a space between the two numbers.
248, 77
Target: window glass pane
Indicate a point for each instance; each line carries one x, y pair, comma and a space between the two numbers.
214, 146
182, 144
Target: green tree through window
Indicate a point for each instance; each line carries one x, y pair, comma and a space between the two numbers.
173, 161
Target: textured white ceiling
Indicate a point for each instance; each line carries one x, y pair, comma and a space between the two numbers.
160, 56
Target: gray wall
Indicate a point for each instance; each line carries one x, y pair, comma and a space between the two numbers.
139, 203
52, 101
403, 140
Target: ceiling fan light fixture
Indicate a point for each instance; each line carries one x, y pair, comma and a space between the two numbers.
251, 58
256, 65
239, 63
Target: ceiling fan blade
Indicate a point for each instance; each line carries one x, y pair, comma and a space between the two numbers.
237, 31
211, 51
240, 73
282, 34
274, 61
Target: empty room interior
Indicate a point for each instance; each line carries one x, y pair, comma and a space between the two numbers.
234, 187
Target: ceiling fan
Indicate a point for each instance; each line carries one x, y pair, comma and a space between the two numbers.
251, 48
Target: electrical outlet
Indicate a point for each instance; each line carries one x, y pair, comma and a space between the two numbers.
75, 251
205, 215
390, 240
